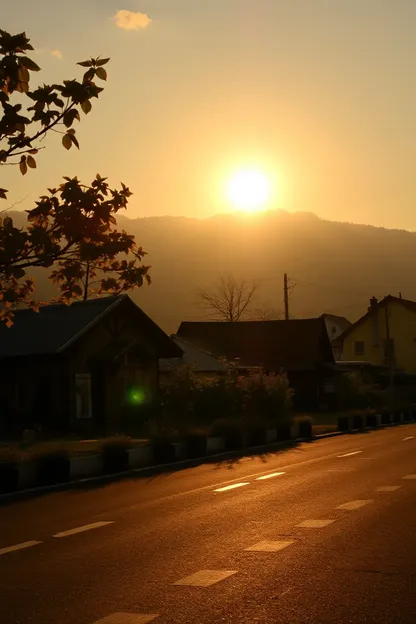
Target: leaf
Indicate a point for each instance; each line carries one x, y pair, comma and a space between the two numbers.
89, 75
31, 162
23, 165
70, 131
29, 64
86, 106
74, 140
85, 64
23, 73
3, 193
66, 141
101, 62
70, 116
101, 73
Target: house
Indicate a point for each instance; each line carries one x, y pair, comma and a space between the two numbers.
76, 368
385, 336
335, 326
300, 347
201, 361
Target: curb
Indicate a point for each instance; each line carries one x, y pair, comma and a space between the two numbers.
183, 463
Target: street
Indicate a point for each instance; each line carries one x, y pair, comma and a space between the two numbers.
321, 533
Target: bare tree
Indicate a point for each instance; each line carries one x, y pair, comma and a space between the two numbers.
230, 299
266, 314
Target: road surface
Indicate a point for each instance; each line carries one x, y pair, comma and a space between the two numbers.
322, 533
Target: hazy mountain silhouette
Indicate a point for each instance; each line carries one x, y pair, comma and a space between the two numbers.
333, 267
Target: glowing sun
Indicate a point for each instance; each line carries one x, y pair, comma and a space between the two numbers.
249, 190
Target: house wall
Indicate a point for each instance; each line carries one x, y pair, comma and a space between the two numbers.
112, 382
372, 332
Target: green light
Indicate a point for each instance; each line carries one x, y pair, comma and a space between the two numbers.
136, 396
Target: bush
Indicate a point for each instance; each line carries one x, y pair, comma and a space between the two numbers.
257, 436
356, 392
358, 422
397, 416
371, 420
265, 396
284, 431
115, 455
9, 476
385, 418
344, 423
52, 468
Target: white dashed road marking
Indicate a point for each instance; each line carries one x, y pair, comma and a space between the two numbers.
349, 454
269, 476
206, 578
128, 618
351, 506
268, 546
81, 529
231, 487
8, 549
408, 438
410, 477
388, 488
315, 524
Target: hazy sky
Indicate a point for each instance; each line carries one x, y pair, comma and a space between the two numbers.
318, 93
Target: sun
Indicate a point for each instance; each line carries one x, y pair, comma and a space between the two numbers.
249, 190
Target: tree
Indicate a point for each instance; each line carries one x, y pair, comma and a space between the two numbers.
266, 314
72, 227
230, 300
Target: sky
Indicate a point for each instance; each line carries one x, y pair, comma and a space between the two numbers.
320, 95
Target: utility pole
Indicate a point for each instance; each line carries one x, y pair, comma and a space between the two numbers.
286, 297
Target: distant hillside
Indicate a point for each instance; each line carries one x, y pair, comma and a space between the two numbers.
334, 267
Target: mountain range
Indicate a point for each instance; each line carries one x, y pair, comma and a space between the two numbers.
332, 267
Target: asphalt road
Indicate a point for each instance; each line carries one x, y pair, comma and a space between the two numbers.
332, 539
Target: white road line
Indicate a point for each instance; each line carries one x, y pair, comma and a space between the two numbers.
410, 477
206, 578
81, 529
408, 438
231, 487
128, 618
388, 488
269, 546
352, 505
349, 454
314, 524
8, 549
269, 476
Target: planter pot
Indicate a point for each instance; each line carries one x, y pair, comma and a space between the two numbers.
371, 420
215, 445
344, 423
407, 417
163, 452
85, 466
271, 436
358, 422
27, 474
284, 432
257, 437
52, 469
305, 429
115, 459
142, 456
195, 446
9, 477
386, 419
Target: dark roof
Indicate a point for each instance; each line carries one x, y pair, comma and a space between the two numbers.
411, 305
295, 345
56, 327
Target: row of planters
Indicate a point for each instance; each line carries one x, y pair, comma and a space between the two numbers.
117, 456
370, 418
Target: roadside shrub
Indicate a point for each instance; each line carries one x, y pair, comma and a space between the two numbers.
344, 423
52, 468
163, 451
284, 431
371, 420
265, 396
358, 422
397, 416
257, 436
115, 454
357, 392
385, 418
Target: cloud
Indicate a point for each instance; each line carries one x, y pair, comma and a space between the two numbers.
128, 20
56, 53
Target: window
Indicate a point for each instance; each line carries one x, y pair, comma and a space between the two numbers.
359, 347
83, 396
